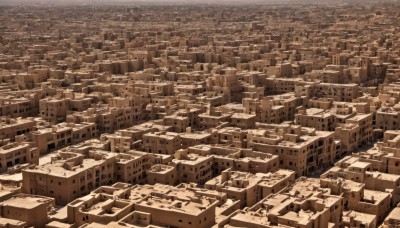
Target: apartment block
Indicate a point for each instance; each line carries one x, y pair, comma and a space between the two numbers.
14, 154
70, 175
250, 188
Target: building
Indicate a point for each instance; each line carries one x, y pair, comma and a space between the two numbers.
250, 188
28, 210
303, 150
17, 153
70, 175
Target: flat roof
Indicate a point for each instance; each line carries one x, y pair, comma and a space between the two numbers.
26, 201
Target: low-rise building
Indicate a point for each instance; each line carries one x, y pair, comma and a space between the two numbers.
29, 210
70, 175
161, 142
250, 188
18, 153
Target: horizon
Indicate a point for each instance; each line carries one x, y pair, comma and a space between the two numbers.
192, 2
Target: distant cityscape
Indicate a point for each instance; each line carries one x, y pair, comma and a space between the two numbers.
231, 114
